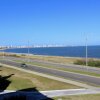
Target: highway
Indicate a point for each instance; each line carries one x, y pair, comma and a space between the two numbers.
56, 65
58, 73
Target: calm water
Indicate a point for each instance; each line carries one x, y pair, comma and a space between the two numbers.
79, 51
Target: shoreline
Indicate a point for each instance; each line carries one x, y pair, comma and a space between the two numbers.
66, 53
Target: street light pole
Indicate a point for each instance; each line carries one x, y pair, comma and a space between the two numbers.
28, 51
3, 53
86, 49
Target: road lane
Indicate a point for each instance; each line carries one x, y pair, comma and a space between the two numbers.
58, 73
55, 65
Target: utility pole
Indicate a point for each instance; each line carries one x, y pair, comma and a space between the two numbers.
28, 51
86, 50
3, 53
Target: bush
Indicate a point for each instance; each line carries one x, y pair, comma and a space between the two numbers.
91, 62
80, 62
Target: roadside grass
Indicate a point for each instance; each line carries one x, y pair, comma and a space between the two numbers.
60, 68
79, 97
17, 83
55, 59
22, 80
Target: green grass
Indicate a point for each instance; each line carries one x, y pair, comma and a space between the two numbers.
80, 97
19, 83
23, 80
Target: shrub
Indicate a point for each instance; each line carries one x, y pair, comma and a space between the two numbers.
91, 62
80, 62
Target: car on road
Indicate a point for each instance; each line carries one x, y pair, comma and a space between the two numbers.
23, 65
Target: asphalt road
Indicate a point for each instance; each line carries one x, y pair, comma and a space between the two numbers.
70, 67
58, 73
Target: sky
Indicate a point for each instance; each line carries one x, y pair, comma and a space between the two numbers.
62, 22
